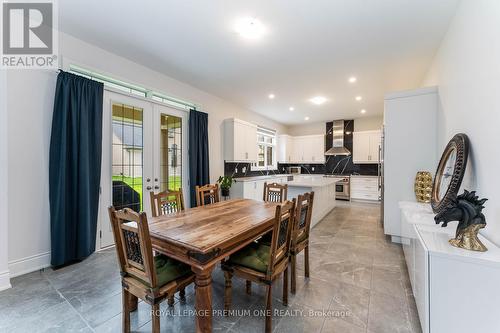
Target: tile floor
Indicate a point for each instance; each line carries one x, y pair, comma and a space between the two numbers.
359, 283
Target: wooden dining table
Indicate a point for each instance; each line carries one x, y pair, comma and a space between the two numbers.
203, 236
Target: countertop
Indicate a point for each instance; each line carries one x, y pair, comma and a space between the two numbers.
312, 181
254, 178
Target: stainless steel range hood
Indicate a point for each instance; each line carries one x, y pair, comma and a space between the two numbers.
338, 140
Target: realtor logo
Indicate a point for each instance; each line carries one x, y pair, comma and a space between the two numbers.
28, 35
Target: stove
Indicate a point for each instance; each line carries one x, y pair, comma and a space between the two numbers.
342, 187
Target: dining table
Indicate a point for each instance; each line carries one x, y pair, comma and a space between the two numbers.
203, 236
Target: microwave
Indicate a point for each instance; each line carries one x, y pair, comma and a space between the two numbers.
294, 170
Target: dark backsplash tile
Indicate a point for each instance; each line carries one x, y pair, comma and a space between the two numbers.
334, 164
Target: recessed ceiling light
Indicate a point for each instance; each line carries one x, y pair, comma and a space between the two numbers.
358, 98
291, 108
306, 118
318, 100
363, 111
352, 79
271, 96
249, 28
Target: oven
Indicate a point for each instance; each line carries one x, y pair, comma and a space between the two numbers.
342, 189
342, 186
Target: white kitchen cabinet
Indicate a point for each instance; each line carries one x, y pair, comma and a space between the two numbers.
253, 188
240, 141
365, 188
285, 143
317, 148
410, 145
366, 146
298, 149
301, 149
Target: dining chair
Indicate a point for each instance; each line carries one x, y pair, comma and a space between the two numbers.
264, 264
150, 278
166, 202
207, 194
300, 235
275, 192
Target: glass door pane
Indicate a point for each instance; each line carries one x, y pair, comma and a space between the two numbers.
170, 152
127, 152
127, 162
171, 159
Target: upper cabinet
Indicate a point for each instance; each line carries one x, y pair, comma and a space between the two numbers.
301, 149
366, 147
285, 143
240, 141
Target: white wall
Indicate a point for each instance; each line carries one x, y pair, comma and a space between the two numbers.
467, 70
307, 129
30, 103
360, 124
4, 269
368, 123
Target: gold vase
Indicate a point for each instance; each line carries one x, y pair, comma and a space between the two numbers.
423, 186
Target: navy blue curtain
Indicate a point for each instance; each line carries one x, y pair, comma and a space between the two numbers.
75, 167
199, 173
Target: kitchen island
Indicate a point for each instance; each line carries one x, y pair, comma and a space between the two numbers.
324, 193
323, 187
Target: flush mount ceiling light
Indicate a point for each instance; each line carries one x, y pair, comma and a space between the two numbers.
363, 111
306, 118
249, 28
352, 79
358, 98
271, 96
318, 100
291, 108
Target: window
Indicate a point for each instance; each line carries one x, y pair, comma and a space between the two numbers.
266, 148
131, 89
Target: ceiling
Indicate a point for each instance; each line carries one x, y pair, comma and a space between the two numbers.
311, 48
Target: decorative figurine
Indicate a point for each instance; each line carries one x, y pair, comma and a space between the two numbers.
466, 208
423, 186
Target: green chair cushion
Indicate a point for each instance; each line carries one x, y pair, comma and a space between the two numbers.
255, 256
168, 269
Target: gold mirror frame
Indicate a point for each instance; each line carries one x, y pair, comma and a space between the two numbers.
460, 144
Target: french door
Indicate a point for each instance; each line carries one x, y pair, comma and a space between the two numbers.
144, 150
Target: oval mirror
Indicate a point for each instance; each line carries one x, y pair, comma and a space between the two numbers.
450, 172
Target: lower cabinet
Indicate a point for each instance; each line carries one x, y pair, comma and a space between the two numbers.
365, 188
252, 189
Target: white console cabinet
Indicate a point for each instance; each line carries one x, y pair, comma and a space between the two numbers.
455, 290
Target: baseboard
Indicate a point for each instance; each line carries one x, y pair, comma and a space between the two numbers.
29, 264
5, 280
396, 239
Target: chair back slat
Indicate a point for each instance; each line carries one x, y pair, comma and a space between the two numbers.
166, 202
207, 194
275, 192
133, 244
303, 214
281, 234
